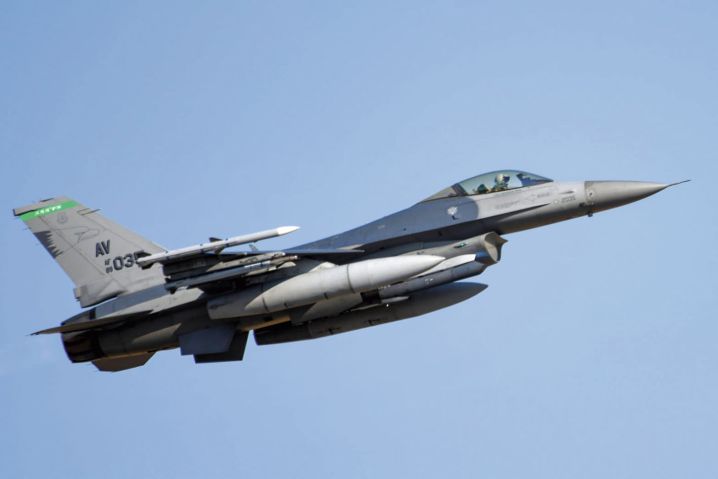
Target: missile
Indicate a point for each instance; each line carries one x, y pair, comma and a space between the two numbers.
319, 284
211, 247
420, 303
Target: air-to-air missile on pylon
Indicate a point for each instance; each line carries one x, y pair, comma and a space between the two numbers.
141, 298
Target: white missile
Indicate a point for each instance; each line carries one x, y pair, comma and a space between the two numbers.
319, 284
212, 246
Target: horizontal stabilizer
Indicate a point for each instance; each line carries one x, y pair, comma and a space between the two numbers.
92, 324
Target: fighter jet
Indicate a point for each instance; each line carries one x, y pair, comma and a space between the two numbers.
140, 298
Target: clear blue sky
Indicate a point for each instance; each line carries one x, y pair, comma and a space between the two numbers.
593, 353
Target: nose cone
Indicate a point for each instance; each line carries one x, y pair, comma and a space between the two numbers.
603, 195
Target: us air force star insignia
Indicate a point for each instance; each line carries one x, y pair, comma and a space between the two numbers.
451, 211
62, 217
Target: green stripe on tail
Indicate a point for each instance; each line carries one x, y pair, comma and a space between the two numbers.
48, 210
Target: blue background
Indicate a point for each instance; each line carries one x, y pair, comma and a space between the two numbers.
593, 352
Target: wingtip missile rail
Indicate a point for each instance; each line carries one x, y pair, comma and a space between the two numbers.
214, 247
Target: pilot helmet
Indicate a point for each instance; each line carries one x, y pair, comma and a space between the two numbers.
502, 178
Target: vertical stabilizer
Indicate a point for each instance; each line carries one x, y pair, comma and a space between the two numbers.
97, 254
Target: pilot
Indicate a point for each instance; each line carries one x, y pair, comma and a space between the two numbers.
501, 182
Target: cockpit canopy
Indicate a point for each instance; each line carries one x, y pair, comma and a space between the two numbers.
492, 182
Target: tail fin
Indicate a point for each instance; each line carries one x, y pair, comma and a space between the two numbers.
97, 254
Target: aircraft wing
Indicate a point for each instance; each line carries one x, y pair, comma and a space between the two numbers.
83, 323
234, 266
322, 254
206, 264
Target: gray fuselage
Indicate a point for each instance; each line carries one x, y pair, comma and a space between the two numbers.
459, 217
206, 302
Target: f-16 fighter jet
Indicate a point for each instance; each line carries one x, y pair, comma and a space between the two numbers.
205, 299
